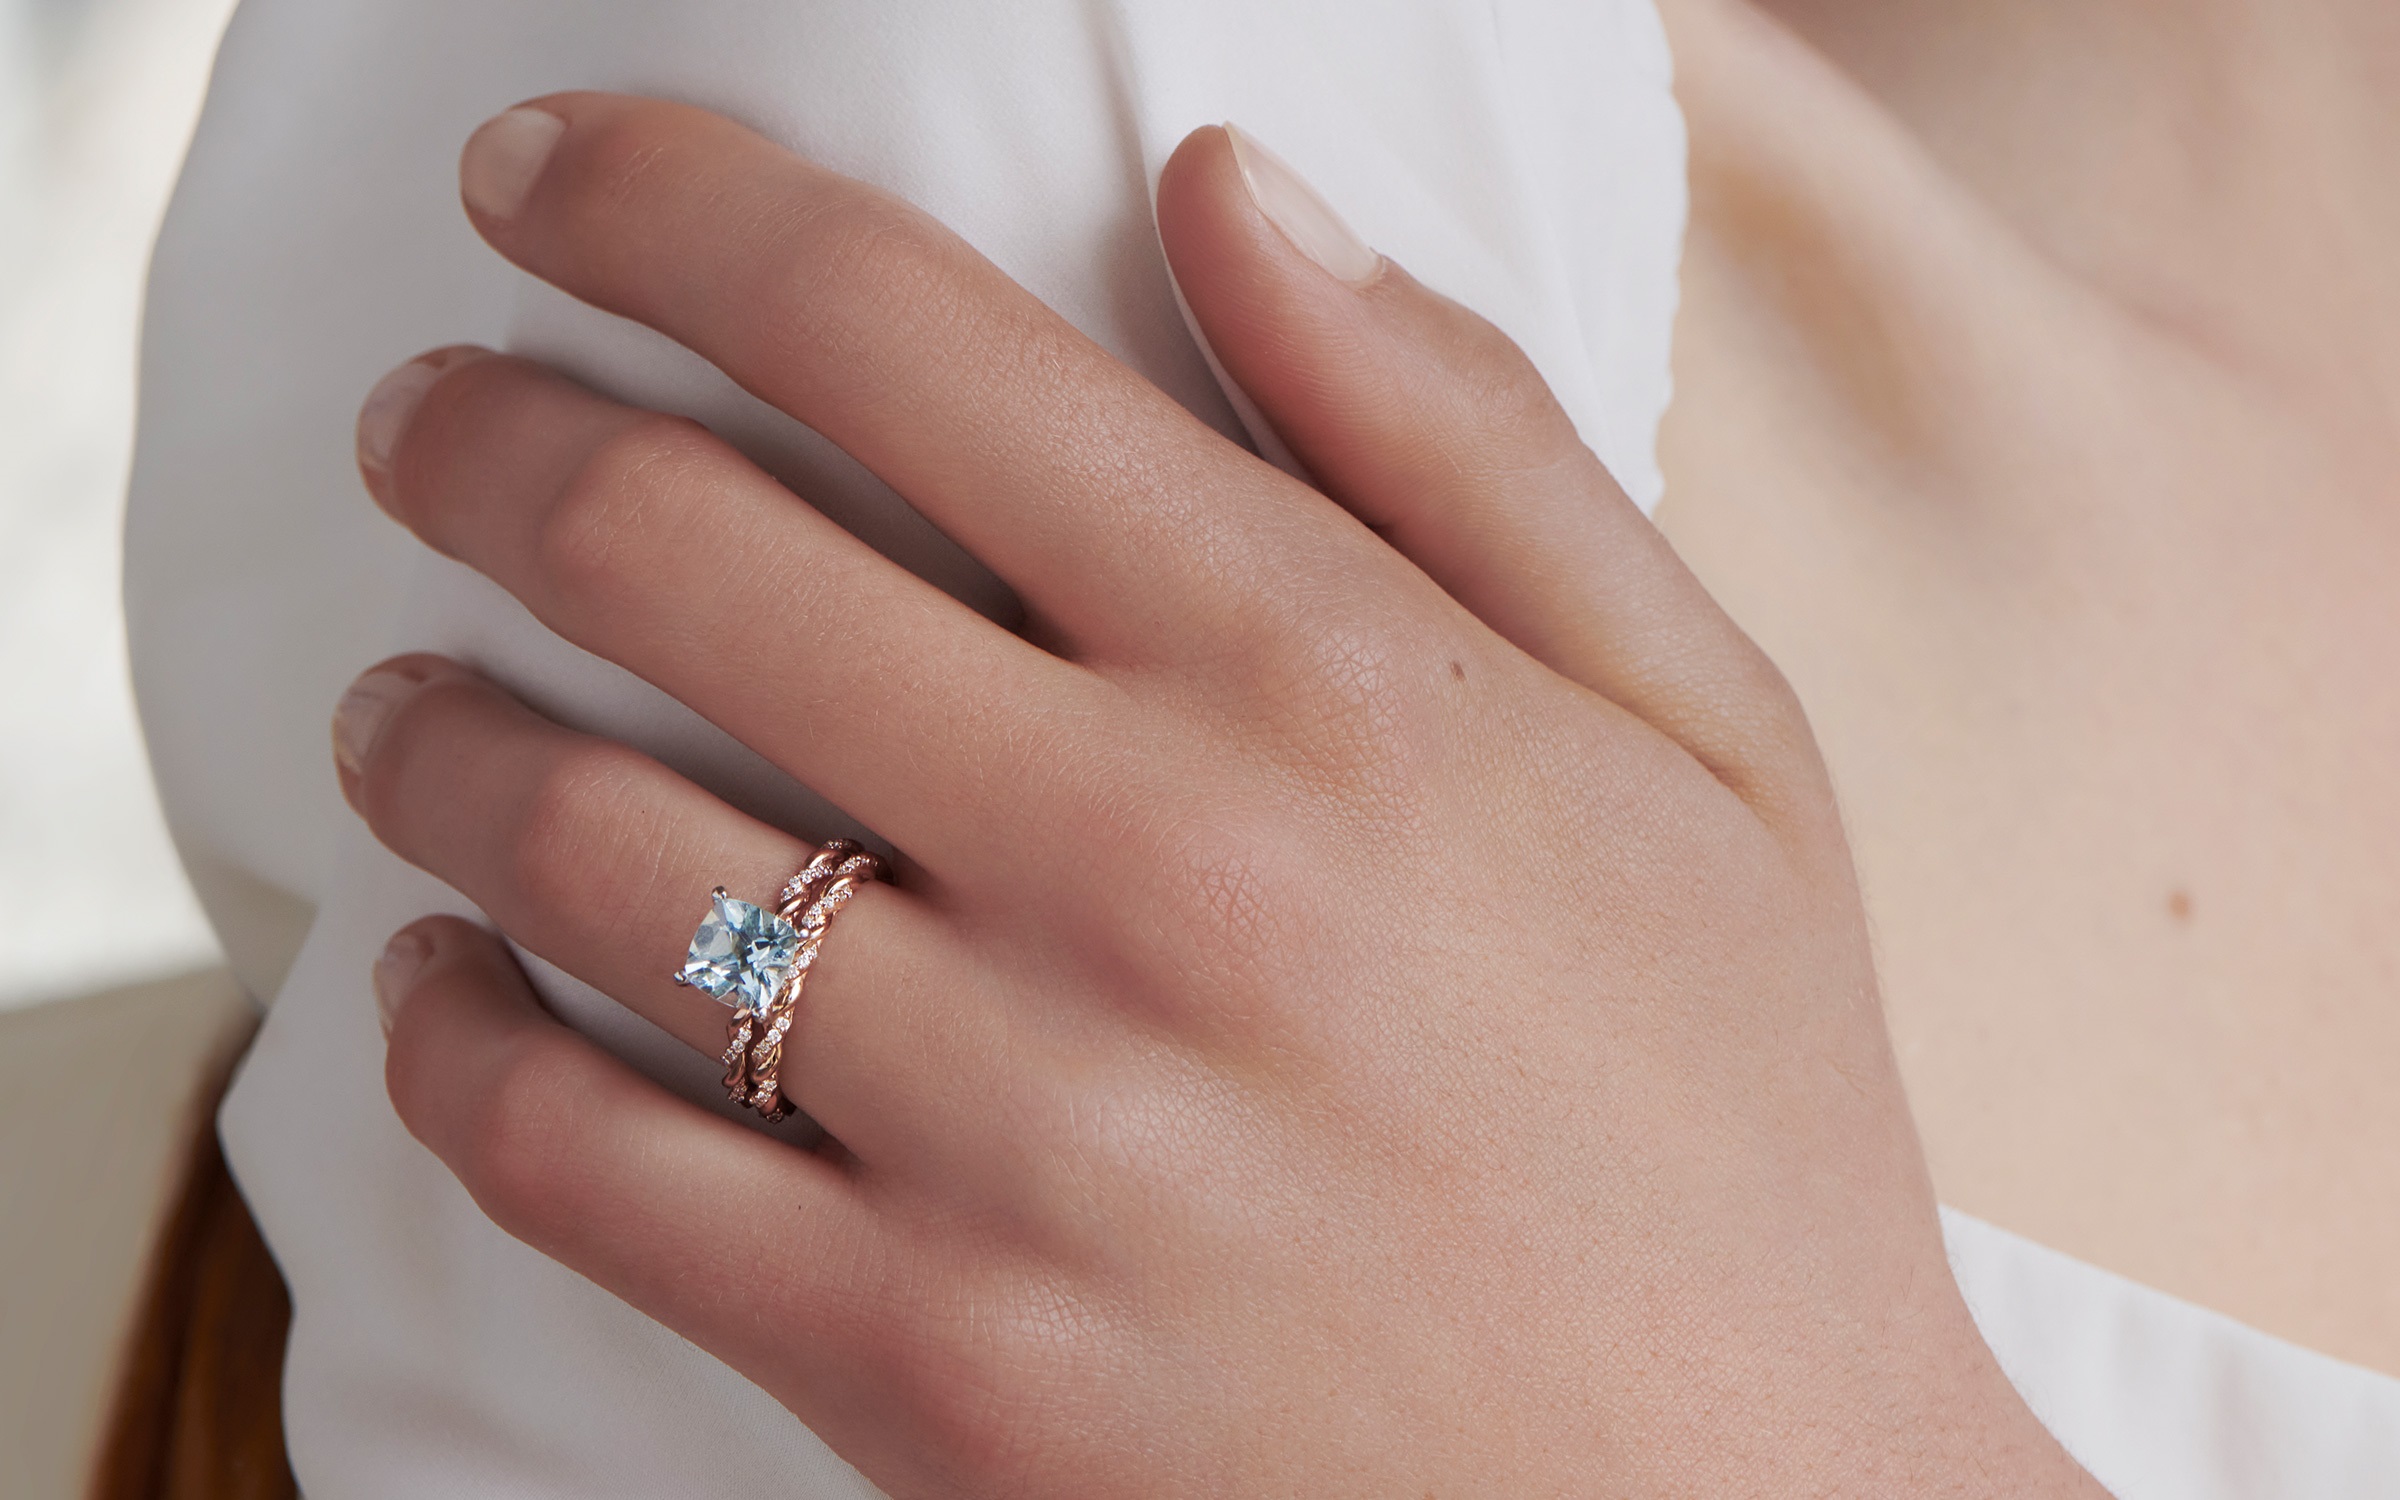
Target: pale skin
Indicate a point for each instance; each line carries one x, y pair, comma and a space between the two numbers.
2037, 408
1375, 1000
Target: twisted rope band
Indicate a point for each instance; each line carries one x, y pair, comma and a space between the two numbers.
753, 1054
743, 1025
810, 904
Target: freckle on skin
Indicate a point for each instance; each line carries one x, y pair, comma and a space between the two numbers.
2179, 904
1458, 670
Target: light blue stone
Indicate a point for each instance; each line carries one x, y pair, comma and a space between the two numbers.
742, 955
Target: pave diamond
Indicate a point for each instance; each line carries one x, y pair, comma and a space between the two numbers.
741, 955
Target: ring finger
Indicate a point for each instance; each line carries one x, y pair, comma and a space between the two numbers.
601, 860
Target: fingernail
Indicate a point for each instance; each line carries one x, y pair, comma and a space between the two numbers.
503, 157
395, 971
385, 414
1303, 215
361, 714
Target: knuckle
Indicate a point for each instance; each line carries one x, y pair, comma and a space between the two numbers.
852, 267
1493, 375
866, 243
1230, 882
1777, 718
1351, 700
1157, 1137
1778, 701
515, 1148
872, 249
1499, 403
584, 832
593, 538
1184, 915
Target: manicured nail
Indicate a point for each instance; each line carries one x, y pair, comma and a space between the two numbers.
385, 414
1303, 215
503, 157
361, 714
395, 971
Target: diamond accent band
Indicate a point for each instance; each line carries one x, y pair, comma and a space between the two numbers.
754, 959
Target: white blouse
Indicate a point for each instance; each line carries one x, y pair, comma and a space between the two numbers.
1522, 155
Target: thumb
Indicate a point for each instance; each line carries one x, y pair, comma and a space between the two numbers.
1431, 426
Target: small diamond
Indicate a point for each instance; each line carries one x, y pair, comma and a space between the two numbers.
741, 955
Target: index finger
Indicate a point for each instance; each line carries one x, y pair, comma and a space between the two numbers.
1112, 511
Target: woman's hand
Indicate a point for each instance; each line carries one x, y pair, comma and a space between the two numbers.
1376, 1001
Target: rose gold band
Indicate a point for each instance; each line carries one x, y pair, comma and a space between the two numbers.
742, 1026
809, 901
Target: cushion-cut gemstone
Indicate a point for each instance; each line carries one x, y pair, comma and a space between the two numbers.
741, 955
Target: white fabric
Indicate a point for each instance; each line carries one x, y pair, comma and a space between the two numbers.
1524, 155
2162, 1400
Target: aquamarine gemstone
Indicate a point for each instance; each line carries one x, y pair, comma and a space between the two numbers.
742, 954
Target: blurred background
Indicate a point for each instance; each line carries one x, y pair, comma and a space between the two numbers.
97, 100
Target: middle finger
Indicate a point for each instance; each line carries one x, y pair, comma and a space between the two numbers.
600, 860
1124, 523
648, 541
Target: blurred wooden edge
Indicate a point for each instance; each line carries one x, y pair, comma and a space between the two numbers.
198, 1409
141, 1322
